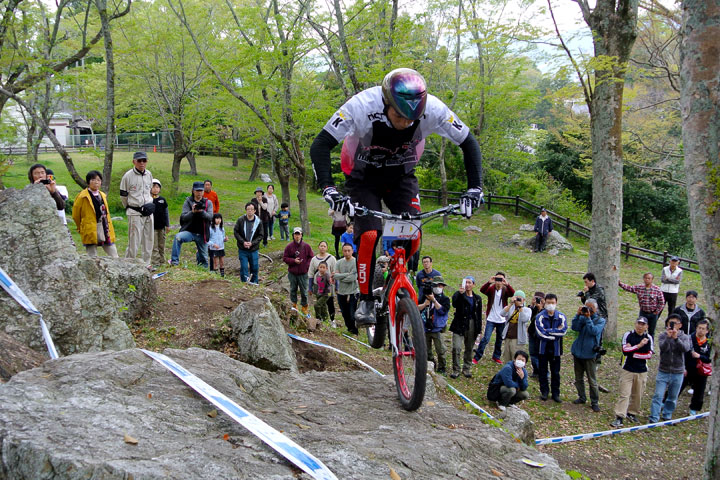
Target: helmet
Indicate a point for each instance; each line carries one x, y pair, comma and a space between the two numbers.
404, 89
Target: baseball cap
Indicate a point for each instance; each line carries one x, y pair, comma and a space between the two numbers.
642, 320
139, 155
674, 258
297, 230
438, 280
383, 259
155, 180
520, 293
470, 277
198, 186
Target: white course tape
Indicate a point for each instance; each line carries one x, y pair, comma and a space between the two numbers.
319, 344
20, 297
355, 340
158, 275
469, 402
279, 442
586, 436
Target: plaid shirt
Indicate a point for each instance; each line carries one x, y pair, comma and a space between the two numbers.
650, 299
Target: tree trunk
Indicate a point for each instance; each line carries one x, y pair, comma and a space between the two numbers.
700, 106
256, 165
30, 141
178, 154
349, 66
235, 137
391, 36
110, 93
235, 162
302, 200
443, 182
191, 160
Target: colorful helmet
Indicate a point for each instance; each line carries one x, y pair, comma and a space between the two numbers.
404, 89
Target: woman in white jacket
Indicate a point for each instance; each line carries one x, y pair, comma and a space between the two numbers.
514, 333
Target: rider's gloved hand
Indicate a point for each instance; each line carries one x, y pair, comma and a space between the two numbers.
338, 201
473, 198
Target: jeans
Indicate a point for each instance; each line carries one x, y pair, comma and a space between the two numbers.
347, 304
489, 326
184, 237
284, 231
652, 321
298, 282
540, 241
672, 383
586, 366
247, 257
271, 226
554, 363
265, 233
670, 301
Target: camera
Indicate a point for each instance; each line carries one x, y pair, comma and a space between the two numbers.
538, 300
599, 350
585, 311
427, 289
45, 181
198, 206
580, 294
499, 279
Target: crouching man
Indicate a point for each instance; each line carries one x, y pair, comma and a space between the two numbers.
509, 385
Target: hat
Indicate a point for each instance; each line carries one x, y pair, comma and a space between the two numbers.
470, 277
155, 180
139, 155
674, 258
543, 209
198, 186
49, 172
383, 259
520, 293
259, 189
691, 292
438, 281
642, 320
540, 294
297, 230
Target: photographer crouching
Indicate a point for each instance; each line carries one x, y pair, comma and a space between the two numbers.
434, 311
586, 349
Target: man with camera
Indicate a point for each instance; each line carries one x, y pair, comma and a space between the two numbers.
195, 219
498, 291
424, 278
515, 333
435, 310
136, 197
672, 343
594, 291
585, 350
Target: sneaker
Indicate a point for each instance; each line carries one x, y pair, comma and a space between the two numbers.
632, 418
595, 407
454, 375
617, 423
690, 391
543, 397
578, 401
333, 324
365, 313
305, 311
467, 374
501, 407
497, 360
475, 362
556, 399
440, 371
693, 412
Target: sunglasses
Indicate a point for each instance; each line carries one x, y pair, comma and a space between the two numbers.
141, 160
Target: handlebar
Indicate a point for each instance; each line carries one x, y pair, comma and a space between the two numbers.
453, 209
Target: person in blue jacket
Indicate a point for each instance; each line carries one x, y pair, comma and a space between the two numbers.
509, 385
435, 310
543, 226
551, 326
589, 326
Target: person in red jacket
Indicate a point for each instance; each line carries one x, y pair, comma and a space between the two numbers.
498, 290
298, 255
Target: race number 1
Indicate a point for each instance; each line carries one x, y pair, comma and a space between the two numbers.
404, 229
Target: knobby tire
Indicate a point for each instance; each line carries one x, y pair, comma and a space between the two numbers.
410, 370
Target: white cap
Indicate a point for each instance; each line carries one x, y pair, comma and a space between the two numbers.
155, 180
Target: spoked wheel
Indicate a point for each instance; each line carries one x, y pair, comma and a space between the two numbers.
410, 364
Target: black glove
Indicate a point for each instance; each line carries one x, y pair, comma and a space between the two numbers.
473, 198
338, 202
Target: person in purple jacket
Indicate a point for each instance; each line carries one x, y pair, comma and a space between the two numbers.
297, 255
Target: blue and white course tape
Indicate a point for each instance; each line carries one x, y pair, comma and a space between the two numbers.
320, 344
276, 440
469, 402
355, 340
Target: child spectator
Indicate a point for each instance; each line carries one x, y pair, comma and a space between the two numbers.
216, 244
322, 286
161, 223
349, 237
284, 221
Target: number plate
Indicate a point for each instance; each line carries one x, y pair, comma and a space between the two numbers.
405, 229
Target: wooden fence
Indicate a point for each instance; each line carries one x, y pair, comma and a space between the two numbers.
123, 147
564, 224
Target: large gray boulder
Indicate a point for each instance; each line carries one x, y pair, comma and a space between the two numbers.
68, 420
261, 337
85, 301
555, 241
516, 421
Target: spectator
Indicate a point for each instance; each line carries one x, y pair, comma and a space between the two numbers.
345, 274
514, 334
595, 291
670, 282
90, 214
536, 306
509, 385
38, 174
248, 233
211, 195
339, 225
322, 287
135, 195
589, 325
690, 313
699, 354
195, 219
543, 227
284, 221
498, 292
261, 210
424, 277
638, 347
349, 237
435, 310
217, 243
381, 272
63, 191
388, 244
297, 255
650, 298
673, 344
551, 326
323, 257
466, 324
161, 223
273, 205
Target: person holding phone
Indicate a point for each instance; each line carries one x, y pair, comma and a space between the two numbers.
38, 175
515, 334
466, 324
498, 291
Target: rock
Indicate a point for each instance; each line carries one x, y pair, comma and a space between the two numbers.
16, 357
518, 241
85, 301
260, 336
526, 227
554, 252
556, 240
265, 178
472, 229
69, 419
516, 422
497, 218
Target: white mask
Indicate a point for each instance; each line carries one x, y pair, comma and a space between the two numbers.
519, 363
550, 307
437, 290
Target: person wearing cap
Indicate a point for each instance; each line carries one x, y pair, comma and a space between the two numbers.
195, 219
543, 227
297, 256
248, 233
650, 299
135, 194
261, 210
161, 223
637, 347
690, 312
589, 325
514, 334
466, 325
434, 310
670, 283
381, 271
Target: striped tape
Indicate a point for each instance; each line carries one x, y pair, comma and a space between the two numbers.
355, 340
320, 344
587, 436
469, 402
158, 275
14, 291
276, 440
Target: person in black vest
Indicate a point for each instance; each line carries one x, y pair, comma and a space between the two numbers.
197, 213
466, 325
161, 223
638, 347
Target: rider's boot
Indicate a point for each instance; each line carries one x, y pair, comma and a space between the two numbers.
365, 313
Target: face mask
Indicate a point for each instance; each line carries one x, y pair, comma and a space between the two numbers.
437, 290
550, 307
519, 363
